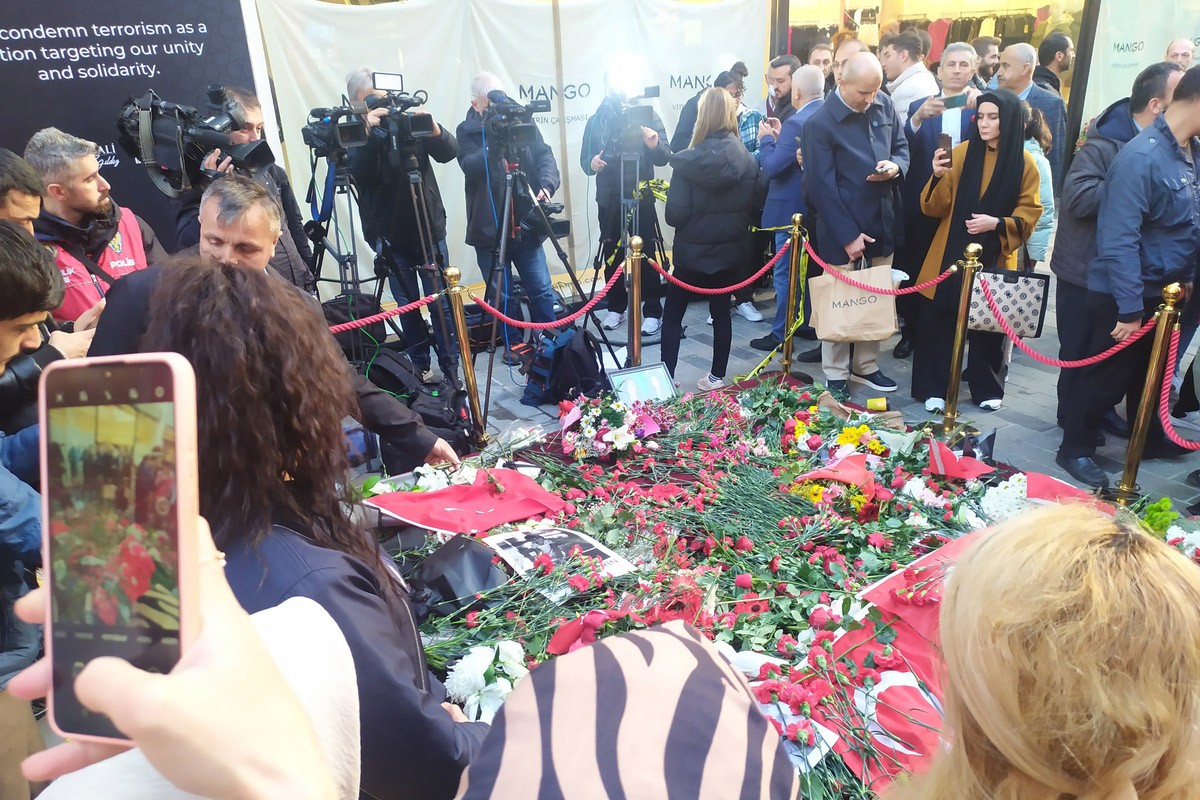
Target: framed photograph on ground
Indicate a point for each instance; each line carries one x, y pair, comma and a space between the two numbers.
518, 549
647, 383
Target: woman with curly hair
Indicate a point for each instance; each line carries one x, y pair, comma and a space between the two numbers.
274, 484
1072, 655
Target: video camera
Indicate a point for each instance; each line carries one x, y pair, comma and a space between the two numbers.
403, 125
331, 131
171, 140
632, 116
510, 124
538, 223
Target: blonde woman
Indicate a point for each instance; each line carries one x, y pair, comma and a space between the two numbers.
1072, 651
715, 189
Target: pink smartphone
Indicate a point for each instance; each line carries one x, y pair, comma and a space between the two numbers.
119, 507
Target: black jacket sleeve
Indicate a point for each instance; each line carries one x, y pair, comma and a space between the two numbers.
686, 126
19, 387
661, 154
126, 314
471, 155
444, 148
395, 422
155, 252
547, 169
1083, 185
187, 218
293, 216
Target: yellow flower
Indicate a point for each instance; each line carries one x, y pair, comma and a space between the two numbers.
853, 436
877, 447
857, 501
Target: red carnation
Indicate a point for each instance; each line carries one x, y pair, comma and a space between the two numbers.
744, 581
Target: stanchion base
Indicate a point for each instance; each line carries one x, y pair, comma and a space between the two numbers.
958, 435
803, 377
1114, 494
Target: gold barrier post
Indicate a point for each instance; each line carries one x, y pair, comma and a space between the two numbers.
633, 271
968, 267
456, 292
1168, 317
793, 288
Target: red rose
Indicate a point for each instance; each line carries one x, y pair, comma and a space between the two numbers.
744, 544
813, 442
744, 581
820, 618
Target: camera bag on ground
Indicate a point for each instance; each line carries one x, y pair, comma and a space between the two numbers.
565, 366
539, 387
360, 343
442, 406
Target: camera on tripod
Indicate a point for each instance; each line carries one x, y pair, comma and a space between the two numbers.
331, 131
510, 124
538, 222
633, 115
403, 125
171, 139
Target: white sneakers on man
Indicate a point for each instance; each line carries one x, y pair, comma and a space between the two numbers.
651, 326
612, 320
935, 405
749, 312
709, 382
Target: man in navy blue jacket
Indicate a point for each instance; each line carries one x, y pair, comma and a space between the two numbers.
928, 118
1148, 236
1016, 74
30, 287
855, 156
778, 148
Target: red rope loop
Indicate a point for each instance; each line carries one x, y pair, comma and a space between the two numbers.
1054, 362
1164, 397
394, 312
726, 290
841, 276
546, 326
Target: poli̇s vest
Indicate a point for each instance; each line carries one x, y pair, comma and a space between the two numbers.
123, 254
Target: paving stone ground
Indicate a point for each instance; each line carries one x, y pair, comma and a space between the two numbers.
1027, 435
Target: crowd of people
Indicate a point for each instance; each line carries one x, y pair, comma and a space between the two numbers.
892, 164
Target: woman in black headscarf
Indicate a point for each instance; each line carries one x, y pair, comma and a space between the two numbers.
985, 191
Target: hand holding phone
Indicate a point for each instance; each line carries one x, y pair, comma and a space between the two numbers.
119, 505
945, 142
957, 101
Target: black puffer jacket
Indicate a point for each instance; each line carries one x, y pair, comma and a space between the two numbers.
715, 191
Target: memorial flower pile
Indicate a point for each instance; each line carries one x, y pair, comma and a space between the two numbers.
766, 520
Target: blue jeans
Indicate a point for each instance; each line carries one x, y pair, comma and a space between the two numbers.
783, 271
530, 260
403, 281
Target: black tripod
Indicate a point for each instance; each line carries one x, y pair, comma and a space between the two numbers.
349, 280
516, 182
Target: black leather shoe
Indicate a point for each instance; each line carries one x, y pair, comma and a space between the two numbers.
806, 333
1193, 478
841, 387
1084, 470
903, 348
1163, 448
812, 356
766, 343
1112, 423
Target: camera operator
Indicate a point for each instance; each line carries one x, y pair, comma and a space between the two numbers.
392, 225
601, 156
293, 258
95, 241
482, 157
20, 203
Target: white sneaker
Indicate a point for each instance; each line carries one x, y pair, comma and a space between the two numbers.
612, 320
935, 405
992, 405
708, 383
651, 326
710, 319
749, 312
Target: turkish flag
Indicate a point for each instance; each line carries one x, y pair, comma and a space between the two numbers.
943, 461
894, 727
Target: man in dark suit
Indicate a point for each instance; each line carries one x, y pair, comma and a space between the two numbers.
779, 148
855, 156
929, 118
1016, 74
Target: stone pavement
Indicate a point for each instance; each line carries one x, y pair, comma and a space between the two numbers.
1027, 434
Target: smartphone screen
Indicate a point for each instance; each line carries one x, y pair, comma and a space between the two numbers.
112, 486
945, 142
957, 101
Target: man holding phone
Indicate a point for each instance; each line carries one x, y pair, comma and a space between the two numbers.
942, 120
855, 155
30, 287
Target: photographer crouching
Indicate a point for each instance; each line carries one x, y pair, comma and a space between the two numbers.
497, 136
293, 257
403, 217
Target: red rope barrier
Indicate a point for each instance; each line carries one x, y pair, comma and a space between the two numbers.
1164, 397
1054, 362
395, 312
841, 276
729, 289
545, 326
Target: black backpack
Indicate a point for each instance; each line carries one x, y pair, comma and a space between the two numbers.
540, 382
581, 369
442, 406
358, 344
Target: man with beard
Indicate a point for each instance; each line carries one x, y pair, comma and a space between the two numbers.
1056, 54
988, 50
95, 241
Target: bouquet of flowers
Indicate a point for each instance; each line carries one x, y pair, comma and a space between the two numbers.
606, 426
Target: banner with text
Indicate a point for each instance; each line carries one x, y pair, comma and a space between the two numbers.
73, 64
559, 52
